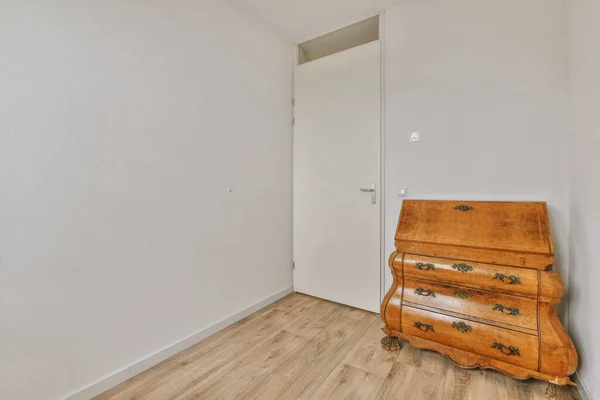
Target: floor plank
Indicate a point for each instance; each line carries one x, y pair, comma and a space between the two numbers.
406, 382
295, 303
488, 383
241, 375
525, 390
457, 383
394, 386
310, 324
301, 347
348, 382
308, 383
368, 354
555, 392
302, 375
425, 360
356, 313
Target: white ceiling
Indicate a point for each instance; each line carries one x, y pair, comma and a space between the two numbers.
300, 20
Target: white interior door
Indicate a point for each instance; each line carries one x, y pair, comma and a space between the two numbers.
336, 154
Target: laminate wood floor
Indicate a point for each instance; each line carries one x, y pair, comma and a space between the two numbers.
302, 347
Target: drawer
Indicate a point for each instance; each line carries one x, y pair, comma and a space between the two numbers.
501, 344
520, 281
518, 311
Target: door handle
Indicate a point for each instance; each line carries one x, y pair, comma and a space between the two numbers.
373, 191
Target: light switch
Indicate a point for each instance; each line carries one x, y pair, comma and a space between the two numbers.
415, 137
403, 192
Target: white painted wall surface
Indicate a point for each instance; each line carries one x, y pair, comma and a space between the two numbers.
486, 83
122, 124
584, 310
307, 19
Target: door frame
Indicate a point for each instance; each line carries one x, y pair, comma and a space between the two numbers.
382, 255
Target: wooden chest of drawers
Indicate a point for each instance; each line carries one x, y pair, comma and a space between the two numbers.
473, 281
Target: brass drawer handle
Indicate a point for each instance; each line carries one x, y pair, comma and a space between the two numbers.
424, 327
424, 292
462, 267
509, 351
507, 310
463, 208
509, 280
461, 326
463, 294
425, 266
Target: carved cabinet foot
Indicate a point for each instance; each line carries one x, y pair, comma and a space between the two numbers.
391, 343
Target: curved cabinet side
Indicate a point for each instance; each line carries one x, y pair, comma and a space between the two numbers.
558, 356
391, 305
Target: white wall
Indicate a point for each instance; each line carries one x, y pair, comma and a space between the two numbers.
122, 124
306, 19
486, 83
584, 310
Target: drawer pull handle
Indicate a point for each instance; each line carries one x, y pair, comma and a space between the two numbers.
423, 292
463, 208
463, 294
424, 327
506, 310
509, 351
461, 326
462, 267
425, 266
509, 280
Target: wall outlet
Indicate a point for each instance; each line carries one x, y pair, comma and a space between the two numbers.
403, 192
415, 137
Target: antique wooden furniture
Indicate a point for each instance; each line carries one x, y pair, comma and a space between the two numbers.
473, 281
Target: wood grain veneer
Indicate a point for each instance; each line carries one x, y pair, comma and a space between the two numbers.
473, 281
